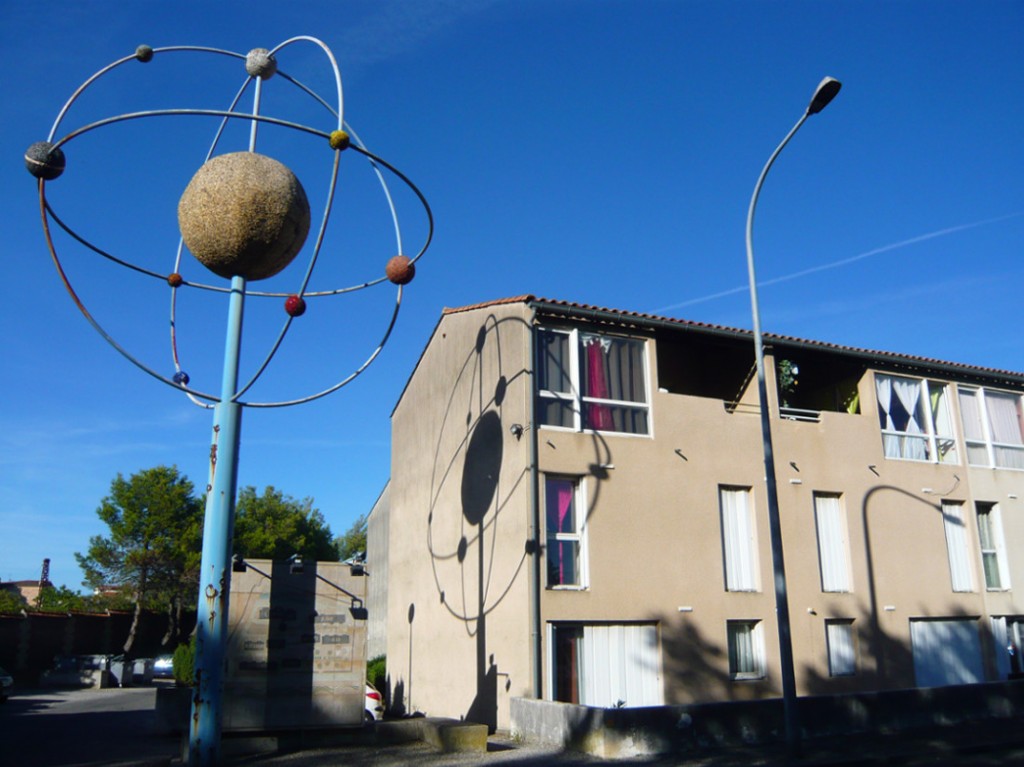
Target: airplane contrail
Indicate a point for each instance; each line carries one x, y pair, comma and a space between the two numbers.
842, 262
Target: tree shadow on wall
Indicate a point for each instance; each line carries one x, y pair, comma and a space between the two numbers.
883, 653
695, 667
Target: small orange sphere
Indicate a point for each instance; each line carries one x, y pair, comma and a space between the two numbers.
174, 279
400, 270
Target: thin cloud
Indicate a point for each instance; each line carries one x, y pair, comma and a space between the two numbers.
842, 262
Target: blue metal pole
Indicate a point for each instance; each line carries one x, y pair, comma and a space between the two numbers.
218, 532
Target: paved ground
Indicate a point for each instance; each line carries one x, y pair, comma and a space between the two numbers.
89, 728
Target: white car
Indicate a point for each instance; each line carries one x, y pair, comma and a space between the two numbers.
374, 704
163, 667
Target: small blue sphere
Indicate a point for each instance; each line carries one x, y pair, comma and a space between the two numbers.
181, 378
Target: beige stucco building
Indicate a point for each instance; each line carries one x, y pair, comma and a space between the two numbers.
578, 513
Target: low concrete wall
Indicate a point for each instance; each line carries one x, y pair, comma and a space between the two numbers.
616, 733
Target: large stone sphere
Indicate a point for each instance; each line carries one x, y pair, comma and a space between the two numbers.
244, 214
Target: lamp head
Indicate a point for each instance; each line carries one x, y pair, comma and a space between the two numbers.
823, 94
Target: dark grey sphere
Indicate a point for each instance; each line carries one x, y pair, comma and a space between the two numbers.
44, 161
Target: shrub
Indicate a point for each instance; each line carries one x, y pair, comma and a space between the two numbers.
183, 663
377, 672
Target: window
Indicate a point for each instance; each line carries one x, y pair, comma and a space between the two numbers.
842, 658
993, 547
739, 539
833, 544
915, 419
591, 381
565, 540
993, 429
746, 649
1008, 632
956, 546
606, 665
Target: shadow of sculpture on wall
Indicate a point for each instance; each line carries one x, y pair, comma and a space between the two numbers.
470, 535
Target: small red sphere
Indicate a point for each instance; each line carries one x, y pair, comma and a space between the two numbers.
295, 306
174, 279
400, 270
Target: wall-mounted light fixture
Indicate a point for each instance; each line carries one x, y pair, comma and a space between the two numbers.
517, 430
295, 564
238, 564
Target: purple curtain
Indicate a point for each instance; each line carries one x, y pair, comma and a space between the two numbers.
560, 495
598, 416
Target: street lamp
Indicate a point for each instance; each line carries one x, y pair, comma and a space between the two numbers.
823, 94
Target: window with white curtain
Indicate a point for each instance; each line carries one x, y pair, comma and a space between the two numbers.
993, 547
612, 665
1008, 633
915, 418
957, 547
993, 424
842, 657
833, 542
746, 649
592, 381
739, 539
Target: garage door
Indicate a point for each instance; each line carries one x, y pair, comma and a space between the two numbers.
946, 651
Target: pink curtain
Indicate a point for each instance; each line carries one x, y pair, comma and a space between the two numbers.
560, 494
598, 416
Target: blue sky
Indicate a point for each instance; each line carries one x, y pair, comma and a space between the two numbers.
599, 151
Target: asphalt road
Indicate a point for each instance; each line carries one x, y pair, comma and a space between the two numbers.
89, 728
62, 728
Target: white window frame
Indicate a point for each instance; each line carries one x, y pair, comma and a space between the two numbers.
993, 450
938, 448
958, 549
574, 397
840, 643
992, 529
833, 543
578, 536
755, 635
739, 539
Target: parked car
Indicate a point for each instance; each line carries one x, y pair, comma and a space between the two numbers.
163, 667
7, 685
374, 704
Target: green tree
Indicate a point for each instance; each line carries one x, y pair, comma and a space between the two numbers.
152, 550
276, 526
11, 603
62, 599
353, 540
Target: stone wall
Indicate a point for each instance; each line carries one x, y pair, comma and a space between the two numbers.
688, 729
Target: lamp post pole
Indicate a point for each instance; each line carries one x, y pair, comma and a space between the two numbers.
824, 93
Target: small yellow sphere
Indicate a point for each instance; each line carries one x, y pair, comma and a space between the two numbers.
340, 140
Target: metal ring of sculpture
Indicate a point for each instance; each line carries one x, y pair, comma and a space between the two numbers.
228, 179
